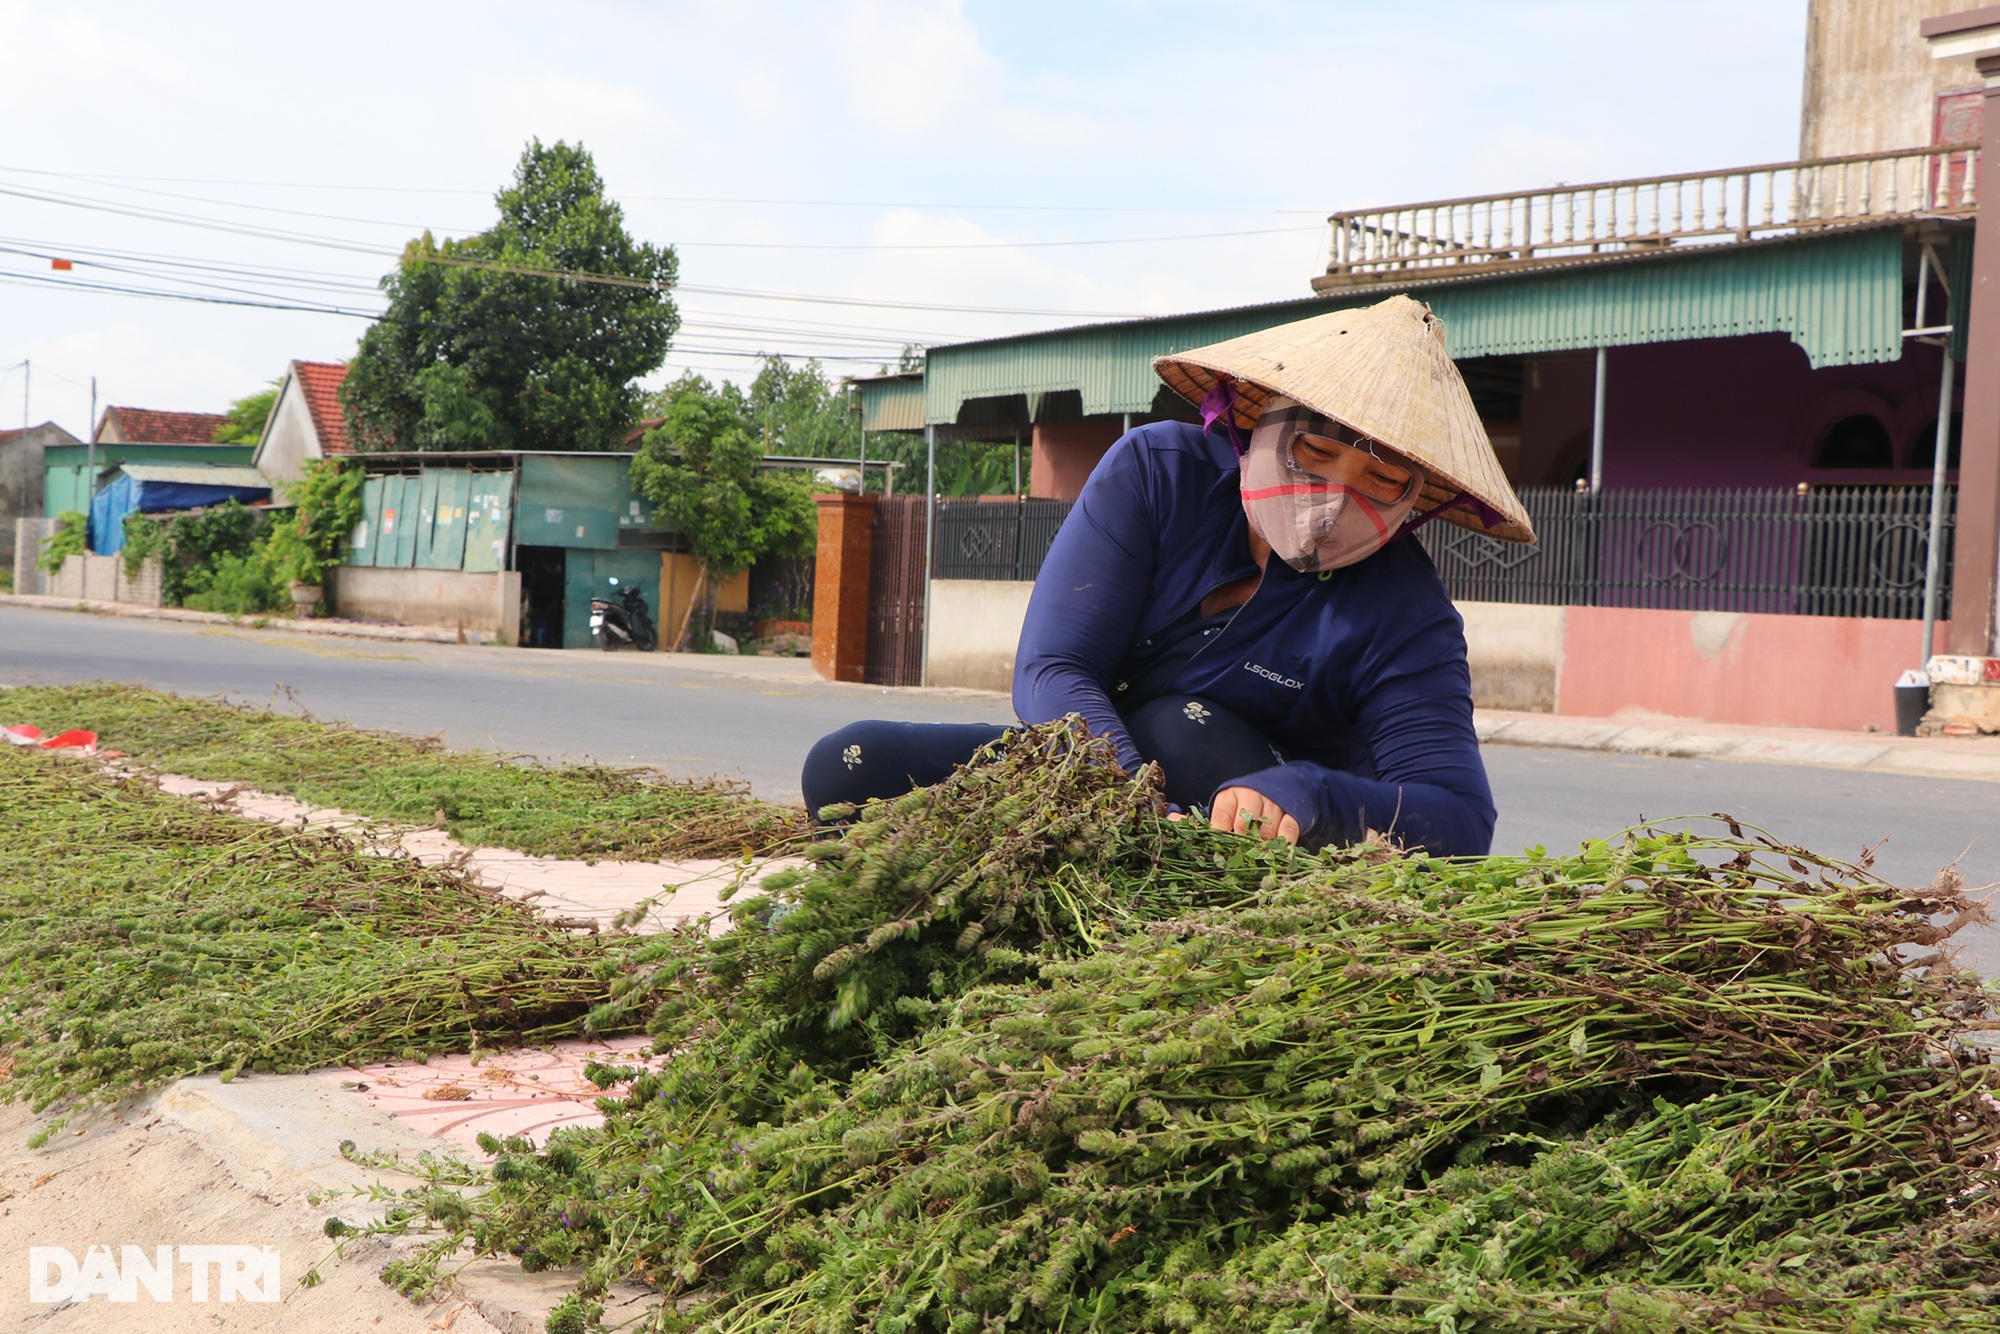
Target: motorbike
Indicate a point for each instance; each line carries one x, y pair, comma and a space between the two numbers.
625, 623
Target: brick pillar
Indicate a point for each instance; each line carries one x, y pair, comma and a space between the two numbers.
840, 585
1975, 35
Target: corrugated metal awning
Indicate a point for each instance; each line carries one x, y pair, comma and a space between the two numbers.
196, 474
1839, 296
891, 402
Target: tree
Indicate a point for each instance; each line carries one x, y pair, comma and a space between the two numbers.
800, 412
699, 468
245, 423
482, 348
795, 410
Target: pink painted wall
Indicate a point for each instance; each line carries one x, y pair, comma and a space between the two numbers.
1066, 452
1719, 412
1730, 667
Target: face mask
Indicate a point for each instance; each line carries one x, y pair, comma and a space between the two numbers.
1311, 522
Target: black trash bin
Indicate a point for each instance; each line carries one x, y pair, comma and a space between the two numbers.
1911, 702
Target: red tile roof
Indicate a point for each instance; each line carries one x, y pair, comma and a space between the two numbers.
320, 381
151, 427
638, 433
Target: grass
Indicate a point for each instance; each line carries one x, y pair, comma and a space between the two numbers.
479, 797
144, 937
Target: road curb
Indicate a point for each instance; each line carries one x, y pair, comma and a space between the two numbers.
1904, 757
408, 634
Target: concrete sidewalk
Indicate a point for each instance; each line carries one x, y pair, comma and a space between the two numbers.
1679, 738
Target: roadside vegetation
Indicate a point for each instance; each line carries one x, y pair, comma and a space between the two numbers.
242, 561
144, 937
477, 797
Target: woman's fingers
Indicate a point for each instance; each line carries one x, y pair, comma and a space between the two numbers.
1227, 802
1237, 809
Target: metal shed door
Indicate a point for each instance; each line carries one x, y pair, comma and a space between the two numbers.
409, 523
490, 515
361, 546
446, 549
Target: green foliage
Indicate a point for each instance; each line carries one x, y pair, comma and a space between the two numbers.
1018, 1053
6, 581
234, 585
244, 424
145, 537
480, 798
70, 538
478, 351
194, 551
326, 506
239, 561
796, 410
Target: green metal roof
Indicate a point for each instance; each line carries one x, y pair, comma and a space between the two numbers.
891, 402
1839, 295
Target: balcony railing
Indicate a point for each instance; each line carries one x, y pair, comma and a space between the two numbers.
1566, 222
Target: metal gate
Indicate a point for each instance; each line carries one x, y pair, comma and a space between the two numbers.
896, 594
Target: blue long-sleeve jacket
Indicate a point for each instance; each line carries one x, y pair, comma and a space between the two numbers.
1357, 674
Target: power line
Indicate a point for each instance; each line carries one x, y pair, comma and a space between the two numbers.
692, 318
686, 199
817, 299
349, 282
42, 280
308, 238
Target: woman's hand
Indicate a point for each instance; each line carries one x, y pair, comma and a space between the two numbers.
1237, 807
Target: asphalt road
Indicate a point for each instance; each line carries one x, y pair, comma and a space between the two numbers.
699, 718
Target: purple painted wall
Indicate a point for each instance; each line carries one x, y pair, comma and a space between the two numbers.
1724, 412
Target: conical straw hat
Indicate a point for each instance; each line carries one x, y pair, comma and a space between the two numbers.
1380, 370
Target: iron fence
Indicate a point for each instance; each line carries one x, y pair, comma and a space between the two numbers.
995, 538
1827, 551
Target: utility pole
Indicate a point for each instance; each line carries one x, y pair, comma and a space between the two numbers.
90, 447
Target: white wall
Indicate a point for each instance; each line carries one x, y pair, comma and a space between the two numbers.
975, 626
88, 578
290, 440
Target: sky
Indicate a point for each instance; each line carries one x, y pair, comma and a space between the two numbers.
838, 179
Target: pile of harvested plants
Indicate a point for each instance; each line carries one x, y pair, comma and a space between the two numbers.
144, 937
1020, 1053
479, 798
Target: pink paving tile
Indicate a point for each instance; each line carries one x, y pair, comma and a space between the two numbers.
530, 1092
565, 890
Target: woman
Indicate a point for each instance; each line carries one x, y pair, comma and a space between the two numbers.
1252, 613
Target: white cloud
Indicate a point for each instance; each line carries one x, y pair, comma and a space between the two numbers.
620, 124
915, 67
50, 53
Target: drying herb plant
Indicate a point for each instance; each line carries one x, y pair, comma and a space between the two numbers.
478, 797
1020, 1053
144, 937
